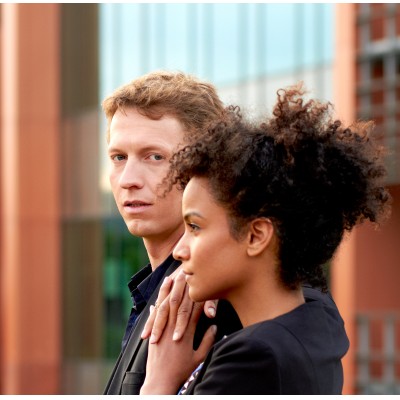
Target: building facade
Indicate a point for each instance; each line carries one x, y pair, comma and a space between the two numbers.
367, 78
65, 252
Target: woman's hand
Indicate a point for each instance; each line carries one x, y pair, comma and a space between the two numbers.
157, 321
171, 361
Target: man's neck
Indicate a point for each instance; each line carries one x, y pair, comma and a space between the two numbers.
158, 250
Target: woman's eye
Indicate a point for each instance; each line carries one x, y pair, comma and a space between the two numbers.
193, 227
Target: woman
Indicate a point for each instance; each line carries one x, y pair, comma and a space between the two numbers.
265, 208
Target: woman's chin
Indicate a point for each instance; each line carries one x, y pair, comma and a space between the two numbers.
196, 296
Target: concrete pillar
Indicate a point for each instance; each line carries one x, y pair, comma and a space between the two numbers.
344, 264
30, 203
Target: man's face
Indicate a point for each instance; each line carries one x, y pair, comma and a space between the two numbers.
139, 150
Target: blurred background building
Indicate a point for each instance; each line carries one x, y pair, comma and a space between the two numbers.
65, 252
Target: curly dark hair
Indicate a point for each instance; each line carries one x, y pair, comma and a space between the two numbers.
300, 168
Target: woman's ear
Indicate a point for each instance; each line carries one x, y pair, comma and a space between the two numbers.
260, 236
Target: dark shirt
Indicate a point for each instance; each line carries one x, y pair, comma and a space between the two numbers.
142, 285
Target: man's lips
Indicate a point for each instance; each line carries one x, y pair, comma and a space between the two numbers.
135, 203
134, 206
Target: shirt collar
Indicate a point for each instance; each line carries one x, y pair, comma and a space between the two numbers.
143, 284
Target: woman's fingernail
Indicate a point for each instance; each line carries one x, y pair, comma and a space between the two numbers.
175, 336
181, 274
211, 311
152, 338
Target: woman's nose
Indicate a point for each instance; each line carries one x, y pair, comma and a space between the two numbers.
181, 250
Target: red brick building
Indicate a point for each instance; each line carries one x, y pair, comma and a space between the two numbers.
367, 271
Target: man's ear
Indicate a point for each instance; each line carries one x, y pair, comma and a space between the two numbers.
260, 236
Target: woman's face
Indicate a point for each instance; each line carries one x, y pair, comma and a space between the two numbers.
214, 262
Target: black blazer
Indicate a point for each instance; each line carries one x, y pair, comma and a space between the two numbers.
130, 369
296, 353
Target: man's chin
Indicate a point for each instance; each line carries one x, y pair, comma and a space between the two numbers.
136, 230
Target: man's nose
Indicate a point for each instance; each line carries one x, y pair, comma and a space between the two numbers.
132, 175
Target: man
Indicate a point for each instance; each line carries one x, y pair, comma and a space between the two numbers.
148, 120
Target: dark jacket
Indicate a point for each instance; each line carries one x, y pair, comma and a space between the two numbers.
130, 369
296, 353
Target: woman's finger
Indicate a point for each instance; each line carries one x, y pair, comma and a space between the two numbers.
163, 318
183, 316
206, 343
177, 294
194, 318
168, 310
210, 308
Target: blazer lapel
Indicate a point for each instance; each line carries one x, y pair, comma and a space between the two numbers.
135, 340
192, 384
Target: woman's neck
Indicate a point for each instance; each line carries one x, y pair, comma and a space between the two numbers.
265, 301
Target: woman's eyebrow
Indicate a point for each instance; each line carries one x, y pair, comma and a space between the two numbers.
192, 214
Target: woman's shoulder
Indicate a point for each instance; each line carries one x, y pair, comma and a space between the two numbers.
264, 335
292, 353
311, 319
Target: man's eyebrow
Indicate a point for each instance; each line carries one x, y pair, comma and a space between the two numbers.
144, 149
154, 147
113, 148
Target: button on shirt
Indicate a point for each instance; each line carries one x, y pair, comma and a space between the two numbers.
142, 285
